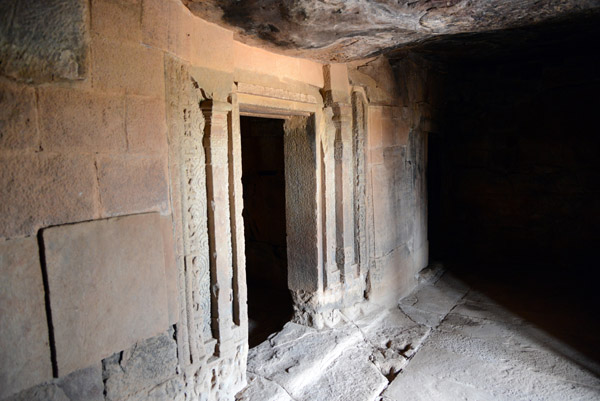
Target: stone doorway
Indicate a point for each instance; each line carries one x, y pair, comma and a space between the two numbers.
263, 180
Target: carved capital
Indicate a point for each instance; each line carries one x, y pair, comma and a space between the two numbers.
215, 114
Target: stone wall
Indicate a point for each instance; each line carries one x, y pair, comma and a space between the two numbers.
121, 234
399, 123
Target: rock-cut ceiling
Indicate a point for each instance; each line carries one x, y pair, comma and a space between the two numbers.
342, 30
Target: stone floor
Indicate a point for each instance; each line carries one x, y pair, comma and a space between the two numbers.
445, 341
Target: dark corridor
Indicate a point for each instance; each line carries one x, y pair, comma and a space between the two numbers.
514, 201
263, 179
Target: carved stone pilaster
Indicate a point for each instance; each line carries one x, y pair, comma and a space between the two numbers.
359, 130
331, 273
344, 191
216, 137
240, 307
187, 167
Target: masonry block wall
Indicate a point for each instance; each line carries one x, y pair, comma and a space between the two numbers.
399, 123
121, 233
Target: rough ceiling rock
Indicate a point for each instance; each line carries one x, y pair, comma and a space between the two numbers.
342, 30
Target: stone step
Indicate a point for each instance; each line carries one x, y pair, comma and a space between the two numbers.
353, 361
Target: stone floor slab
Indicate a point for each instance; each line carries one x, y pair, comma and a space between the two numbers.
452, 344
475, 358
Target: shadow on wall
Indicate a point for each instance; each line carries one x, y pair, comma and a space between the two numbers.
513, 172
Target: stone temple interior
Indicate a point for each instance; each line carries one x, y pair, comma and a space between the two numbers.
300, 200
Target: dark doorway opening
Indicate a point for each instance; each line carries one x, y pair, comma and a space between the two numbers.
263, 180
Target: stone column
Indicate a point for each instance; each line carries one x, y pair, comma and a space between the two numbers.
331, 272
216, 137
240, 307
344, 191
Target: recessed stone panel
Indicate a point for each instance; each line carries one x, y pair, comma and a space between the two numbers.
24, 351
107, 287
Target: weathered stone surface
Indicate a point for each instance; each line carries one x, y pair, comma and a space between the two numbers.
146, 125
377, 77
127, 68
43, 40
155, 30
80, 120
24, 349
364, 381
133, 373
171, 274
132, 184
490, 358
117, 19
301, 218
82, 385
284, 359
395, 337
100, 303
43, 392
44, 189
352, 361
18, 117
261, 389
429, 304
355, 29
391, 277
171, 390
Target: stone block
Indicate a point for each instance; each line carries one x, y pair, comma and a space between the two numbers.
336, 82
107, 287
136, 371
80, 120
146, 125
389, 135
385, 224
394, 277
43, 40
212, 45
24, 347
253, 59
18, 117
403, 130
117, 19
375, 133
183, 33
171, 276
127, 68
155, 23
376, 156
82, 385
132, 184
310, 72
40, 190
